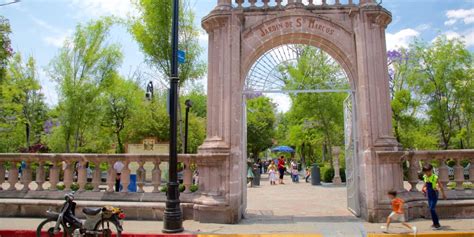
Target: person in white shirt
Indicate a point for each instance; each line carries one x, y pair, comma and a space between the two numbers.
118, 167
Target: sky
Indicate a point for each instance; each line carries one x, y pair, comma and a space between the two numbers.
40, 27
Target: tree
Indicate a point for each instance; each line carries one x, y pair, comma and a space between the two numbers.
83, 68
6, 50
315, 119
22, 102
260, 124
152, 31
120, 103
444, 78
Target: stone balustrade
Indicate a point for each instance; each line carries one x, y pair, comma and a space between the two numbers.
265, 4
406, 166
42, 172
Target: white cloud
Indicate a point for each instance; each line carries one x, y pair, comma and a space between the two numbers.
98, 8
401, 39
423, 27
467, 37
57, 40
465, 15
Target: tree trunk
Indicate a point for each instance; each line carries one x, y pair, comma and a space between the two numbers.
120, 148
27, 129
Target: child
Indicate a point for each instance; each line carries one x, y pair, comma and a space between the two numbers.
397, 212
308, 174
272, 173
430, 189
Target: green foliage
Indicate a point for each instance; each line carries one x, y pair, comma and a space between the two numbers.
23, 107
260, 124
194, 188
315, 121
152, 31
6, 50
327, 174
83, 69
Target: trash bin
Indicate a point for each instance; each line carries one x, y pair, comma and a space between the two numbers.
256, 177
315, 175
132, 186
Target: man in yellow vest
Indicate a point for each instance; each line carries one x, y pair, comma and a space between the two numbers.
431, 189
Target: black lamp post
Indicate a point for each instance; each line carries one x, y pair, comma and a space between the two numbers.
149, 91
188, 104
173, 219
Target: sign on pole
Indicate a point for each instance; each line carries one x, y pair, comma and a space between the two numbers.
181, 56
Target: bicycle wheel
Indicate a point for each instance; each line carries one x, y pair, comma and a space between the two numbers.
107, 229
46, 229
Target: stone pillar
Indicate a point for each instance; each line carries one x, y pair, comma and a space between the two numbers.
373, 113
224, 5
54, 176
141, 176
39, 176
111, 175
26, 176
156, 176
96, 177
82, 175
335, 160
367, 2
125, 176
12, 175
2, 174
68, 173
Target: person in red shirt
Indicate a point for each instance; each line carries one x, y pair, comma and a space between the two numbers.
281, 168
397, 212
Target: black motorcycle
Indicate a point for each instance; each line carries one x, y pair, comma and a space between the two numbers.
104, 221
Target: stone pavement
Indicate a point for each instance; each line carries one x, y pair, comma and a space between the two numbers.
281, 209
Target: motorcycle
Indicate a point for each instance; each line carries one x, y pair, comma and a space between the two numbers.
105, 221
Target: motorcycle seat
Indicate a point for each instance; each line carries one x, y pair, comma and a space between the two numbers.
91, 211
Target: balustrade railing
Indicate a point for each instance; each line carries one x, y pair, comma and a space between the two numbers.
253, 4
458, 163
87, 172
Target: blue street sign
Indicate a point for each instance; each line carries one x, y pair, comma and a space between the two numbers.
181, 56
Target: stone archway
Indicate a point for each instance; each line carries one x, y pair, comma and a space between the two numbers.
352, 33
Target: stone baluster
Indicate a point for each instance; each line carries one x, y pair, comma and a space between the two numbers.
443, 173
338, 2
141, 176
265, 3
323, 2
367, 2
96, 177
413, 173
224, 4
351, 2
188, 176
125, 176
252, 3
156, 176
311, 3
471, 171
459, 174
2, 174
82, 175
26, 176
68, 175
337, 177
111, 175
278, 3
40, 178
239, 3
54, 176
12, 175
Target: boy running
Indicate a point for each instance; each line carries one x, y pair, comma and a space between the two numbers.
430, 189
397, 212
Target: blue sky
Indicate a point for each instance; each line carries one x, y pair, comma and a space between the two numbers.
41, 26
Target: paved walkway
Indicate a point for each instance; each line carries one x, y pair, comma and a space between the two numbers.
290, 208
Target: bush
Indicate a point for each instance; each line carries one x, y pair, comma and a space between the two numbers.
327, 174
194, 188
181, 188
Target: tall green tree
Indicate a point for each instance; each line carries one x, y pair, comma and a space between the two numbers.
260, 125
120, 103
152, 30
83, 69
6, 50
23, 107
444, 78
316, 120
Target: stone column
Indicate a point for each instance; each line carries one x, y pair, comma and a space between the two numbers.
68, 175
156, 176
367, 2
224, 5
26, 176
82, 175
335, 160
40, 176
2, 174
141, 176
54, 176
111, 175
12, 175
125, 176
96, 177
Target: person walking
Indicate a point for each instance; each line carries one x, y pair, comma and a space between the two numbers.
294, 172
431, 190
118, 167
281, 168
308, 174
272, 169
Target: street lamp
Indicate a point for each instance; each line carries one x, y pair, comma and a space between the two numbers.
188, 104
8, 3
149, 91
173, 218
